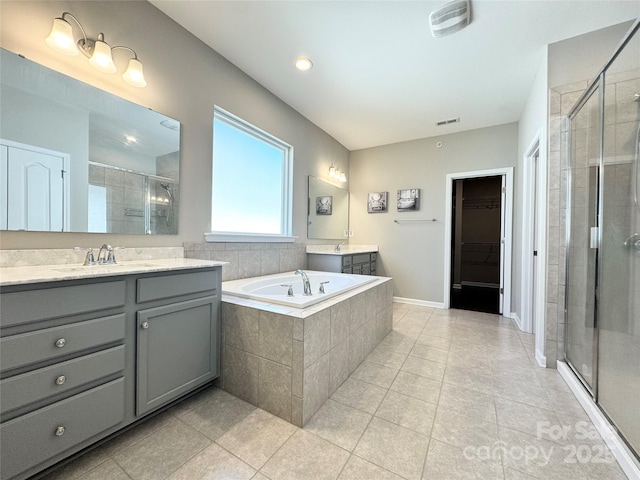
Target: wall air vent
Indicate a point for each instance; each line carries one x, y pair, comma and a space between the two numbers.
447, 122
450, 18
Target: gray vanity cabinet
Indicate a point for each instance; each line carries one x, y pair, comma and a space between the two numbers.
175, 350
357, 263
82, 359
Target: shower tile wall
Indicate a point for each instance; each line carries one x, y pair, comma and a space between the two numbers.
250, 259
125, 198
620, 119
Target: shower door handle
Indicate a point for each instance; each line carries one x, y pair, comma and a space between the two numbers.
594, 237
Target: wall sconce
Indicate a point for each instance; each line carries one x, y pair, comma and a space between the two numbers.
335, 172
99, 52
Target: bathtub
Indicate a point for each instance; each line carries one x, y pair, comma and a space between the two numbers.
269, 288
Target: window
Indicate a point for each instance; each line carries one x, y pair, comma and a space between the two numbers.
252, 183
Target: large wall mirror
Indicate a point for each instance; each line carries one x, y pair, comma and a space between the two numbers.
74, 158
328, 211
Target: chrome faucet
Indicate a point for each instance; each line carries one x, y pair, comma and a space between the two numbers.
109, 257
337, 249
305, 282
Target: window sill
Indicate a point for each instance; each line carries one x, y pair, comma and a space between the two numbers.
212, 237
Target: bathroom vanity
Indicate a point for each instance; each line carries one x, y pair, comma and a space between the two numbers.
356, 259
87, 351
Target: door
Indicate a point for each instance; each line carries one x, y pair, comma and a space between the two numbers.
477, 244
34, 183
177, 350
583, 218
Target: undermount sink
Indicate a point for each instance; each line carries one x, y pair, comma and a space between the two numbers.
89, 268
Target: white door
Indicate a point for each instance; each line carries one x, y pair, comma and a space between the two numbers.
35, 190
503, 203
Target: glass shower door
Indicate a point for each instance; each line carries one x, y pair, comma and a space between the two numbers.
585, 137
619, 276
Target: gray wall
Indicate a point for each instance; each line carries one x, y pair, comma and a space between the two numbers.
413, 254
185, 80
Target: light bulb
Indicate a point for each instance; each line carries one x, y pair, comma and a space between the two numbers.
343, 177
101, 58
134, 76
303, 63
332, 171
61, 38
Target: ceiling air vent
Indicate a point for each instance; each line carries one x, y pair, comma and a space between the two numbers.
447, 122
450, 18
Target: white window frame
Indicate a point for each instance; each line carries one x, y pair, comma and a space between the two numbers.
285, 234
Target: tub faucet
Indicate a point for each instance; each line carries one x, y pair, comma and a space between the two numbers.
305, 282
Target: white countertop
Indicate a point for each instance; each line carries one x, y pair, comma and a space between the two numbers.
344, 249
53, 273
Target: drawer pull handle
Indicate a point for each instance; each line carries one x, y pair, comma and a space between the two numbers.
61, 342
60, 380
145, 325
60, 431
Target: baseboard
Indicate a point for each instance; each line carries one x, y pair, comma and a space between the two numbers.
541, 359
514, 316
413, 301
625, 458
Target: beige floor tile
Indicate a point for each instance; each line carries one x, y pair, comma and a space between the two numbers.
79, 466
387, 356
137, 433
527, 393
107, 470
162, 452
424, 367
534, 421
338, 423
462, 430
206, 418
376, 374
407, 412
257, 437
431, 341
306, 457
464, 377
214, 463
446, 462
395, 448
511, 474
259, 476
361, 395
430, 353
422, 388
468, 402
359, 469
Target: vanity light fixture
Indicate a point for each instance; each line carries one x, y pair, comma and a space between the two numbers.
332, 171
99, 52
335, 172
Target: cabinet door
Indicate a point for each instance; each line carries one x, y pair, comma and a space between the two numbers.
178, 350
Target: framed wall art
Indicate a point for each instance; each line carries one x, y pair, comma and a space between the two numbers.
377, 202
409, 200
324, 205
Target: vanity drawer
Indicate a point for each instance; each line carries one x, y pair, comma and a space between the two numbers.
42, 304
346, 260
42, 383
361, 258
156, 288
33, 438
347, 270
374, 256
49, 343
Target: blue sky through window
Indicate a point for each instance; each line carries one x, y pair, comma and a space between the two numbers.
247, 182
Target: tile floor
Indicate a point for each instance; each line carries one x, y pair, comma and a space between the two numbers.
448, 394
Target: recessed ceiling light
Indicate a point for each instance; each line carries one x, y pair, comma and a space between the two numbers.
303, 63
130, 139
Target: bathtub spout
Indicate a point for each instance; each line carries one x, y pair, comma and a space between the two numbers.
305, 282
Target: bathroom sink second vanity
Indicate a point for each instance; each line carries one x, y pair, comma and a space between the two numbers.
85, 353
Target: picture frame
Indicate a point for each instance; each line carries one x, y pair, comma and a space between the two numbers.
324, 205
408, 200
377, 202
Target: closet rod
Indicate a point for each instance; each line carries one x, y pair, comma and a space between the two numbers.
416, 220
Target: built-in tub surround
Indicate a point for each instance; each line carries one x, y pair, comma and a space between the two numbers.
275, 288
247, 260
288, 361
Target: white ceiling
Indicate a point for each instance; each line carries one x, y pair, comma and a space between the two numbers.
379, 77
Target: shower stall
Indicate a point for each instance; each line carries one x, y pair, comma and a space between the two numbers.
602, 297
